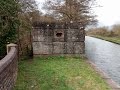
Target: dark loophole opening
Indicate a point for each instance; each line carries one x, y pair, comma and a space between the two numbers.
59, 34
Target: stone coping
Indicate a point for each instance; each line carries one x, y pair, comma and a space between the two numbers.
8, 58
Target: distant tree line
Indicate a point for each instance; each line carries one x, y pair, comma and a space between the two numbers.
114, 31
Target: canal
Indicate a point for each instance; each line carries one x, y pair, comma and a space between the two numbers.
105, 55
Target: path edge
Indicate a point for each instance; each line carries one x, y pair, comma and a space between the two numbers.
108, 80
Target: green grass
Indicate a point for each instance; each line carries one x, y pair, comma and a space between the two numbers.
111, 39
58, 73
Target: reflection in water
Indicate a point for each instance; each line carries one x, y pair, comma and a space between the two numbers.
105, 55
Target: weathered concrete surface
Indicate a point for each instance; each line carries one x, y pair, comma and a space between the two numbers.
60, 40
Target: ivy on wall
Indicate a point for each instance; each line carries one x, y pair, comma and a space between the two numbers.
8, 23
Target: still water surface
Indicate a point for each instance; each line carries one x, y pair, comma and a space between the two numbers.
105, 55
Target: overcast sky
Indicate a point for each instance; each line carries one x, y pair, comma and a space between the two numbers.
108, 14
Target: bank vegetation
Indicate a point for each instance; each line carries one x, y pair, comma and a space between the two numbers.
110, 34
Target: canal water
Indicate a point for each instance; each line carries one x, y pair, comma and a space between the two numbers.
105, 55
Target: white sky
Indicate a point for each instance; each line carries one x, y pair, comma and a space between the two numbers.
108, 14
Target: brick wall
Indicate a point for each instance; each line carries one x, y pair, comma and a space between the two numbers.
8, 70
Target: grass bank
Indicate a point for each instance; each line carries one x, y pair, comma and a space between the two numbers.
110, 39
58, 73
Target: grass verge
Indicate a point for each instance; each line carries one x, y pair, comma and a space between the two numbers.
110, 39
58, 73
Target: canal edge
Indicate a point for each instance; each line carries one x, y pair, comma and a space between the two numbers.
109, 81
105, 40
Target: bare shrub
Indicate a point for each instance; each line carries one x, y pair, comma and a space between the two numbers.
102, 31
116, 29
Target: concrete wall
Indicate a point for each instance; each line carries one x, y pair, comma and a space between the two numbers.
58, 41
8, 69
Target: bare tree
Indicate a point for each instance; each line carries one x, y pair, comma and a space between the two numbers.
27, 5
71, 10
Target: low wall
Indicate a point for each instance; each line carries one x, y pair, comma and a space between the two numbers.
8, 69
